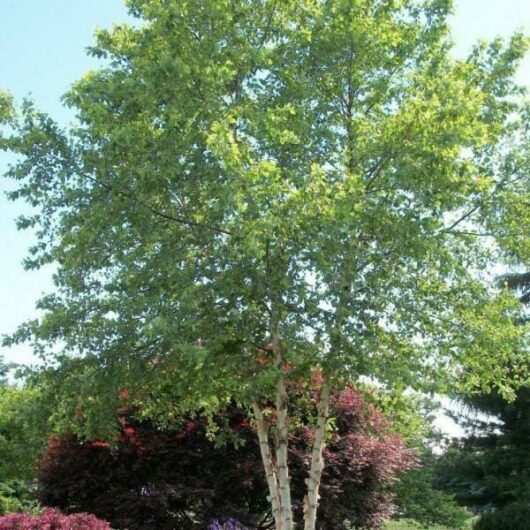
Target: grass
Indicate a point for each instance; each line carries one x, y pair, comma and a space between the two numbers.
405, 524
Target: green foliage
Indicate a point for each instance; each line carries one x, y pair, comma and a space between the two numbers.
408, 524
6, 107
412, 414
22, 441
18, 496
490, 468
23, 433
417, 499
324, 172
512, 517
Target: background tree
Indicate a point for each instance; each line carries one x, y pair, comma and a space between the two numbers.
184, 479
23, 435
489, 469
420, 498
512, 517
255, 192
20, 445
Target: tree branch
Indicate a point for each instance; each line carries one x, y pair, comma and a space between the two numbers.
163, 215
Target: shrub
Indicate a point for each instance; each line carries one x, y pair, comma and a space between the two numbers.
52, 520
162, 480
515, 516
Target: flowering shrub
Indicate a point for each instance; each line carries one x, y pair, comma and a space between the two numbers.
229, 524
52, 520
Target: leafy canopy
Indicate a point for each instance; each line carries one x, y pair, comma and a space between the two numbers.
323, 171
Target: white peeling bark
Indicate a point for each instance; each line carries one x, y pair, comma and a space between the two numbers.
317, 460
282, 446
270, 473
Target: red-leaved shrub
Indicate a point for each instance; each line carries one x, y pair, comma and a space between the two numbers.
161, 480
52, 520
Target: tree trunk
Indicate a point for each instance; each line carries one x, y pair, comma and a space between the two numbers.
270, 473
317, 460
282, 446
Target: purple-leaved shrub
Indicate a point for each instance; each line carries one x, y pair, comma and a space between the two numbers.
161, 480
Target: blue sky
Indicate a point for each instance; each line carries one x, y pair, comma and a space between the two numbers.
42, 51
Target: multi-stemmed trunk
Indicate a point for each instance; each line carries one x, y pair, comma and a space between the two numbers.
277, 470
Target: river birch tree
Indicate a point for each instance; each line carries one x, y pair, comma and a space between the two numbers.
258, 193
